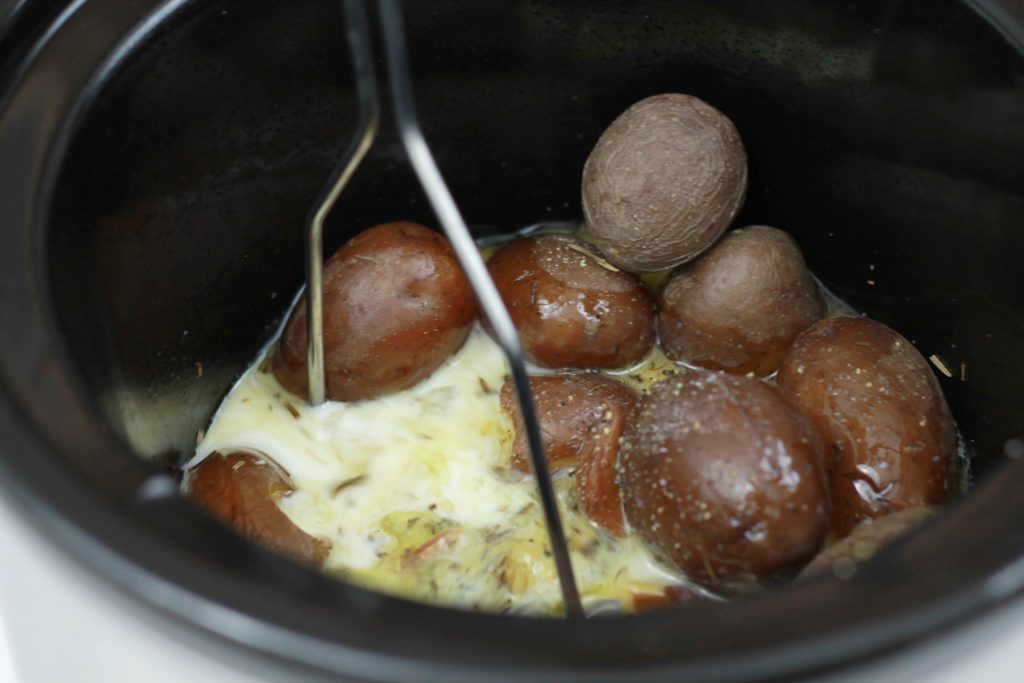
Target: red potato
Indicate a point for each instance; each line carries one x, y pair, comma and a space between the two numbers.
571, 307
396, 306
242, 489
581, 420
663, 182
724, 477
676, 595
870, 536
888, 433
740, 305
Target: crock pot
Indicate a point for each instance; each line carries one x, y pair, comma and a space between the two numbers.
159, 157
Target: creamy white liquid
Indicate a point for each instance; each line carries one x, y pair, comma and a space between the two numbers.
416, 495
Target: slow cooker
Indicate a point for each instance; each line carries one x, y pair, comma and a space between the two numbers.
159, 157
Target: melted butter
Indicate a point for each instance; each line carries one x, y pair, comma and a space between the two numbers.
416, 495
654, 367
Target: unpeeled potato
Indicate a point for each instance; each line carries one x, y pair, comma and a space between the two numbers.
242, 489
663, 182
740, 305
571, 307
723, 476
889, 438
581, 419
673, 596
865, 541
396, 306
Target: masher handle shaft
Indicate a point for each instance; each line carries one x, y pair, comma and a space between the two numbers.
367, 124
487, 294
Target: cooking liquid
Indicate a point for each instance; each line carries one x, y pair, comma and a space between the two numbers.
416, 494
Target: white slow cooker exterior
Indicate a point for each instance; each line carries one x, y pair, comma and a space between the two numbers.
64, 624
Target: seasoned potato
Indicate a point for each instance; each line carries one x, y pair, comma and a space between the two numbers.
870, 536
242, 489
581, 419
740, 305
723, 476
888, 433
572, 308
663, 182
396, 306
676, 595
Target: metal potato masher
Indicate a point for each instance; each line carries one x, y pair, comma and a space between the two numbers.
361, 46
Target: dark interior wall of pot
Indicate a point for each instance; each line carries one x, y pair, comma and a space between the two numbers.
886, 136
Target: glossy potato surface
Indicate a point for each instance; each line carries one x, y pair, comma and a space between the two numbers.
396, 306
723, 476
663, 182
889, 438
572, 308
242, 489
740, 305
581, 420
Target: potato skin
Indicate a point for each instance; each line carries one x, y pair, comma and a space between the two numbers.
571, 310
889, 438
865, 541
581, 420
396, 306
674, 596
663, 182
724, 477
241, 489
741, 304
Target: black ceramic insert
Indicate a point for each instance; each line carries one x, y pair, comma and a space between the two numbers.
159, 159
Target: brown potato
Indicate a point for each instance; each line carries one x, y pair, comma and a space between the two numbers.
888, 433
663, 182
841, 559
571, 307
723, 476
740, 305
676, 595
581, 419
242, 490
396, 306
